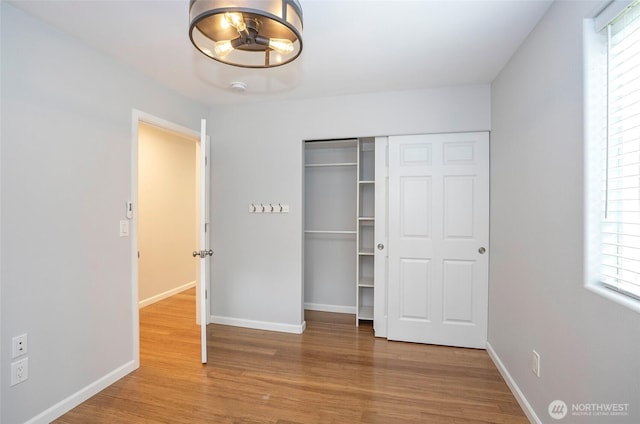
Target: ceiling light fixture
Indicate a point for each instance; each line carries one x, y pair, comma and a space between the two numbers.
247, 33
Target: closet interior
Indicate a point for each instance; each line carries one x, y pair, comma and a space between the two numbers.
339, 223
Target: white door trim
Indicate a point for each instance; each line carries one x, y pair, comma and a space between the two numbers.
138, 116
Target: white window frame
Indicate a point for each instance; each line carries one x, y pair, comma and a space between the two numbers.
595, 122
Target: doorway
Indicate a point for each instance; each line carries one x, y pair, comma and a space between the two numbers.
164, 227
167, 213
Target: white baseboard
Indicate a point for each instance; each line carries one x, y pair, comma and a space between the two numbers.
168, 293
80, 396
330, 308
524, 404
259, 325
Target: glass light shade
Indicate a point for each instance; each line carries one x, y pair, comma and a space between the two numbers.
223, 48
236, 20
247, 33
281, 45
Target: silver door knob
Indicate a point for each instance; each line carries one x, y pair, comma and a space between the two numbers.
482, 250
380, 246
202, 253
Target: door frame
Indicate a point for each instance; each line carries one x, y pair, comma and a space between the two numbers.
138, 116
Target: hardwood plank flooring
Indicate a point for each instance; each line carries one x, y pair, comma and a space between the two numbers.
333, 373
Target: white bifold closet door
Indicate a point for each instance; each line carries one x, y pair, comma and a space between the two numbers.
438, 238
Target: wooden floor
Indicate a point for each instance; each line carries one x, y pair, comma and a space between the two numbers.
333, 373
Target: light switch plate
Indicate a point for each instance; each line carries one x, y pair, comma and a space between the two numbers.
124, 228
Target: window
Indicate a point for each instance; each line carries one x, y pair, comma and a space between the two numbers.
621, 218
613, 153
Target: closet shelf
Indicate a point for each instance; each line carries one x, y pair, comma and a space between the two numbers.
365, 282
348, 232
344, 143
319, 165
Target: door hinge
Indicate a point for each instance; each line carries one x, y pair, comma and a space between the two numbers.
206, 294
206, 160
206, 227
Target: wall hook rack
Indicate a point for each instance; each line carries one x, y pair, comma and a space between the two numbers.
271, 207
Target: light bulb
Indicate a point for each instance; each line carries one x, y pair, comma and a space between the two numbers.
281, 45
223, 47
236, 20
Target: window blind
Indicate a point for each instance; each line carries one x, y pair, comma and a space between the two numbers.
620, 266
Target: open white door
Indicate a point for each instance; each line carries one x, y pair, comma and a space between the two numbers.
205, 252
438, 238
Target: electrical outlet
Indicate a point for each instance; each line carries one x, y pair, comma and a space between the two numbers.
19, 371
535, 363
18, 345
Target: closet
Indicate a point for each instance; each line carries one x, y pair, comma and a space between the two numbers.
397, 232
339, 226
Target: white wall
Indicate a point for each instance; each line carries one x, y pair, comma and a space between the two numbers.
66, 175
166, 212
257, 157
589, 346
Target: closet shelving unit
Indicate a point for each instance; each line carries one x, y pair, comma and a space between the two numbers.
338, 225
365, 229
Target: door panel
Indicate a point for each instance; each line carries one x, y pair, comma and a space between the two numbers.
415, 281
438, 219
458, 207
414, 155
415, 209
458, 291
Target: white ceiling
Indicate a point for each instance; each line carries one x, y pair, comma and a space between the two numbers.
350, 46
